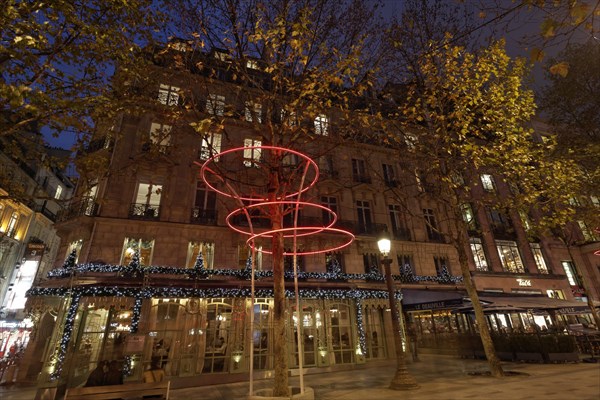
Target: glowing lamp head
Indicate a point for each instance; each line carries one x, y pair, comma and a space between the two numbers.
385, 244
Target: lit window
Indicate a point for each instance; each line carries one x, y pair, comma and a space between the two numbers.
539, 258
75, 245
160, 135
510, 256
253, 112
322, 125
411, 140
58, 192
571, 273
168, 95
442, 266
211, 144
587, 233
252, 152
468, 217
215, 104
11, 230
142, 246
487, 181
478, 255
88, 201
245, 255
555, 294
147, 200
208, 254
525, 220
252, 64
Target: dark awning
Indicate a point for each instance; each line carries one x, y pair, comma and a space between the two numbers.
425, 299
536, 303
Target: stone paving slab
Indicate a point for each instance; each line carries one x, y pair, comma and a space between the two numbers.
441, 377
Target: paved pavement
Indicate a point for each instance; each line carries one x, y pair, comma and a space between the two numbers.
440, 377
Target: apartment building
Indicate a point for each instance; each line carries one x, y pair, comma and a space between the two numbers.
154, 268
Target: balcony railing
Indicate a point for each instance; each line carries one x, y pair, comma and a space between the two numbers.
41, 208
203, 217
257, 221
303, 221
435, 236
401, 234
144, 211
391, 183
328, 174
361, 229
86, 207
503, 232
362, 178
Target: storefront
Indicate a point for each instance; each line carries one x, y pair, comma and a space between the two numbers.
198, 338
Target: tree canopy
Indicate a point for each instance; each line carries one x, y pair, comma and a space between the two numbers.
57, 57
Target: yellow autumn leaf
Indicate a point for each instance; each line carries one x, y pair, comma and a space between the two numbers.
537, 55
561, 68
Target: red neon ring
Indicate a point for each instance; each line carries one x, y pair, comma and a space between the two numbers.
250, 241
205, 168
256, 205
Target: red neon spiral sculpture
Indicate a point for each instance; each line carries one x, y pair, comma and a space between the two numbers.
307, 239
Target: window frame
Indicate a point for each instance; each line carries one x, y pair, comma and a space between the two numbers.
487, 183
519, 267
252, 156
321, 124
168, 95
215, 104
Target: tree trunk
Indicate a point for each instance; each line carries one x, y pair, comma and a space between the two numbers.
484, 332
280, 359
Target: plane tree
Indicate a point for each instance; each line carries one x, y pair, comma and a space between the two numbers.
466, 113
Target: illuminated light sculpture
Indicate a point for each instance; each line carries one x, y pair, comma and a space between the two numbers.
210, 170
279, 163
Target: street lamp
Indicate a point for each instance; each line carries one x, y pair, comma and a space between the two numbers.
402, 379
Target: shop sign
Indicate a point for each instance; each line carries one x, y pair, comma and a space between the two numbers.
524, 282
434, 305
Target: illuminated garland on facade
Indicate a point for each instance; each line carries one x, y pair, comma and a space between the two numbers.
362, 340
150, 292
244, 274
66, 337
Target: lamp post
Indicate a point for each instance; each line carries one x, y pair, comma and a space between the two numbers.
402, 379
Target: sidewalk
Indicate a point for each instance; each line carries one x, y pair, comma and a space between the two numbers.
441, 377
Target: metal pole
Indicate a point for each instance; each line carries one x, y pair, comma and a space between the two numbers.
402, 379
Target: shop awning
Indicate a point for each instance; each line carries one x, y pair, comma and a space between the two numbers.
536, 303
425, 299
